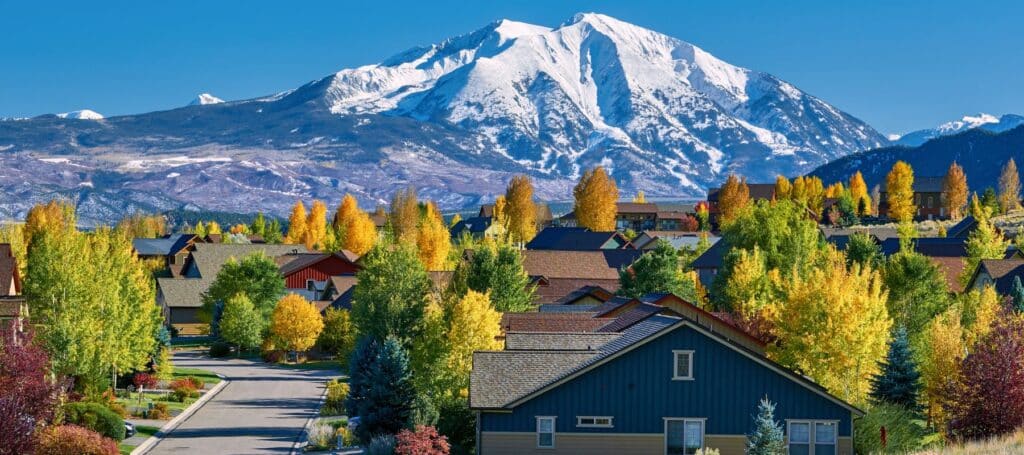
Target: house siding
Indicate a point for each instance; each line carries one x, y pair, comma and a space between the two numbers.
321, 271
637, 390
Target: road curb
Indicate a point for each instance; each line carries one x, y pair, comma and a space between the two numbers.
303, 438
173, 423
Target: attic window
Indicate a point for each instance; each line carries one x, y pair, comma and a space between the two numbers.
593, 422
682, 365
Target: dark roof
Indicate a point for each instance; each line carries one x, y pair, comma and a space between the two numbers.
1003, 272
712, 258
344, 301
842, 240
758, 191
11, 307
602, 264
576, 239
634, 316
163, 246
486, 211
474, 225
551, 290
921, 185
929, 246
540, 341
580, 322
636, 207
291, 263
558, 308
596, 292
963, 228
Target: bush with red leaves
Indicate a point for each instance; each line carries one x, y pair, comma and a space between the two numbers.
75, 440
424, 441
145, 380
29, 398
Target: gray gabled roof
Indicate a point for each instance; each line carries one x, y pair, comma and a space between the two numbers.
557, 341
183, 292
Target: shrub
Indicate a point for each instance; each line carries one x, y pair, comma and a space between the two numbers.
423, 441
707, 451
183, 389
220, 349
197, 383
118, 409
159, 412
321, 436
381, 445
96, 417
145, 380
75, 440
458, 423
337, 392
348, 437
904, 430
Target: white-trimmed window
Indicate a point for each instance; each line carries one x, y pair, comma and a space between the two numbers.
683, 436
593, 422
682, 365
545, 432
813, 437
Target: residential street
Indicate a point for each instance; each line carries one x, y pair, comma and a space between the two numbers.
262, 410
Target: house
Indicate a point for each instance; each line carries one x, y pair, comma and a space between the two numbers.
181, 297
707, 264
947, 253
172, 249
929, 198
308, 274
663, 383
1000, 273
678, 239
757, 191
639, 216
479, 227
544, 216
10, 277
13, 314
556, 273
963, 228
578, 239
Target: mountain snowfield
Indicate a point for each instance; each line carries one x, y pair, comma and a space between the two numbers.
205, 98
456, 119
84, 114
984, 121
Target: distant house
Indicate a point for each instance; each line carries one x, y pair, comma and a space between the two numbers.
707, 265
1000, 273
649, 239
544, 217
172, 249
578, 239
10, 277
13, 314
650, 380
308, 274
556, 273
758, 192
963, 228
638, 216
479, 227
929, 198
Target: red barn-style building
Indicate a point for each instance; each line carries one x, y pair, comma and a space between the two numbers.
307, 274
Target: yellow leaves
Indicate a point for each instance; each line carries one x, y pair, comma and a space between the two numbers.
296, 224
521, 211
475, 326
899, 185
782, 187
859, 193
346, 211
955, 187
940, 361
640, 198
405, 215
732, 198
54, 216
434, 240
316, 226
1009, 187
296, 322
596, 195
360, 233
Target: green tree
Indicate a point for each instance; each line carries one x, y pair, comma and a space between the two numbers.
904, 430
339, 335
499, 270
1017, 295
259, 225
241, 324
989, 200
985, 242
391, 296
657, 271
862, 249
256, 276
767, 438
917, 290
898, 381
388, 400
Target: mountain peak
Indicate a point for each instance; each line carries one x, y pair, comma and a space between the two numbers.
84, 114
205, 98
984, 121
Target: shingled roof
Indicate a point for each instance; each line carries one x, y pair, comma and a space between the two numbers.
577, 239
603, 264
541, 341
293, 262
576, 322
1003, 272
163, 246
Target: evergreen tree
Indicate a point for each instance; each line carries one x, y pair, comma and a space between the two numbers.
862, 249
767, 438
898, 381
389, 399
657, 271
990, 200
1017, 293
502, 274
359, 366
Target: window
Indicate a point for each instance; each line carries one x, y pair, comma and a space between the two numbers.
683, 436
809, 437
310, 285
682, 365
546, 432
593, 422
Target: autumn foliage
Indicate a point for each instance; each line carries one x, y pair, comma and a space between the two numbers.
296, 323
596, 195
733, 197
424, 441
899, 187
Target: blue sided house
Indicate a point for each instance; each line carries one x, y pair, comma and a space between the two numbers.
667, 384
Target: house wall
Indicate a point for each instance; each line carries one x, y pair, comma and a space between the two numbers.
497, 443
706, 277
637, 390
321, 271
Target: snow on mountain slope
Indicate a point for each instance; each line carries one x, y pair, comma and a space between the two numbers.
84, 114
984, 121
205, 98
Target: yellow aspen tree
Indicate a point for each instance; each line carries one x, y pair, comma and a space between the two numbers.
799, 191
213, 228
748, 293
640, 198
346, 210
316, 226
814, 193
979, 313
297, 224
899, 187
1009, 187
940, 363
455, 220
475, 326
783, 189
405, 215
500, 213
296, 323
434, 240
833, 326
360, 233
955, 187
521, 210
859, 193
54, 216
834, 190
595, 197
732, 198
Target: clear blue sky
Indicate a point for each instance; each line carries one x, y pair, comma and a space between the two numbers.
899, 65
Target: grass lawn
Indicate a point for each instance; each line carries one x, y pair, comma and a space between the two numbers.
141, 430
207, 377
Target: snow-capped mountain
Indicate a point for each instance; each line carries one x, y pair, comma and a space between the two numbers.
84, 114
458, 118
205, 98
984, 121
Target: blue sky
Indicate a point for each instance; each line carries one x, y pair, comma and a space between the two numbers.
899, 65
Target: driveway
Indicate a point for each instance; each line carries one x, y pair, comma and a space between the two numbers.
263, 410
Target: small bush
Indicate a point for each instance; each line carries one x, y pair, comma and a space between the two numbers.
96, 417
381, 445
183, 389
423, 441
118, 409
321, 436
145, 380
220, 349
905, 431
159, 412
348, 437
337, 392
75, 440
197, 383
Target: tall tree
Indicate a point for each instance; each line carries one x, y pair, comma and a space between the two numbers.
297, 224
316, 226
979, 309
859, 192
474, 326
596, 195
360, 233
346, 210
434, 240
296, 323
391, 296
899, 187
241, 324
767, 438
404, 215
749, 292
499, 271
657, 271
388, 404
259, 225
955, 187
782, 188
989, 200
732, 198
522, 210
1009, 187
898, 381
256, 275
985, 242
940, 363
917, 290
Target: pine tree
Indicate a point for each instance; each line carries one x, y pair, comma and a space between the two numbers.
955, 187
387, 406
899, 186
359, 366
596, 195
898, 381
522, 211
767, 438
733, 197
1009, 187
1017, 293
297, 224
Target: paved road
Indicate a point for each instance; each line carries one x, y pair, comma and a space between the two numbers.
263, 410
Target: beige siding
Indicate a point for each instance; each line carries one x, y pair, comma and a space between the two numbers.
845, 446
495, 443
